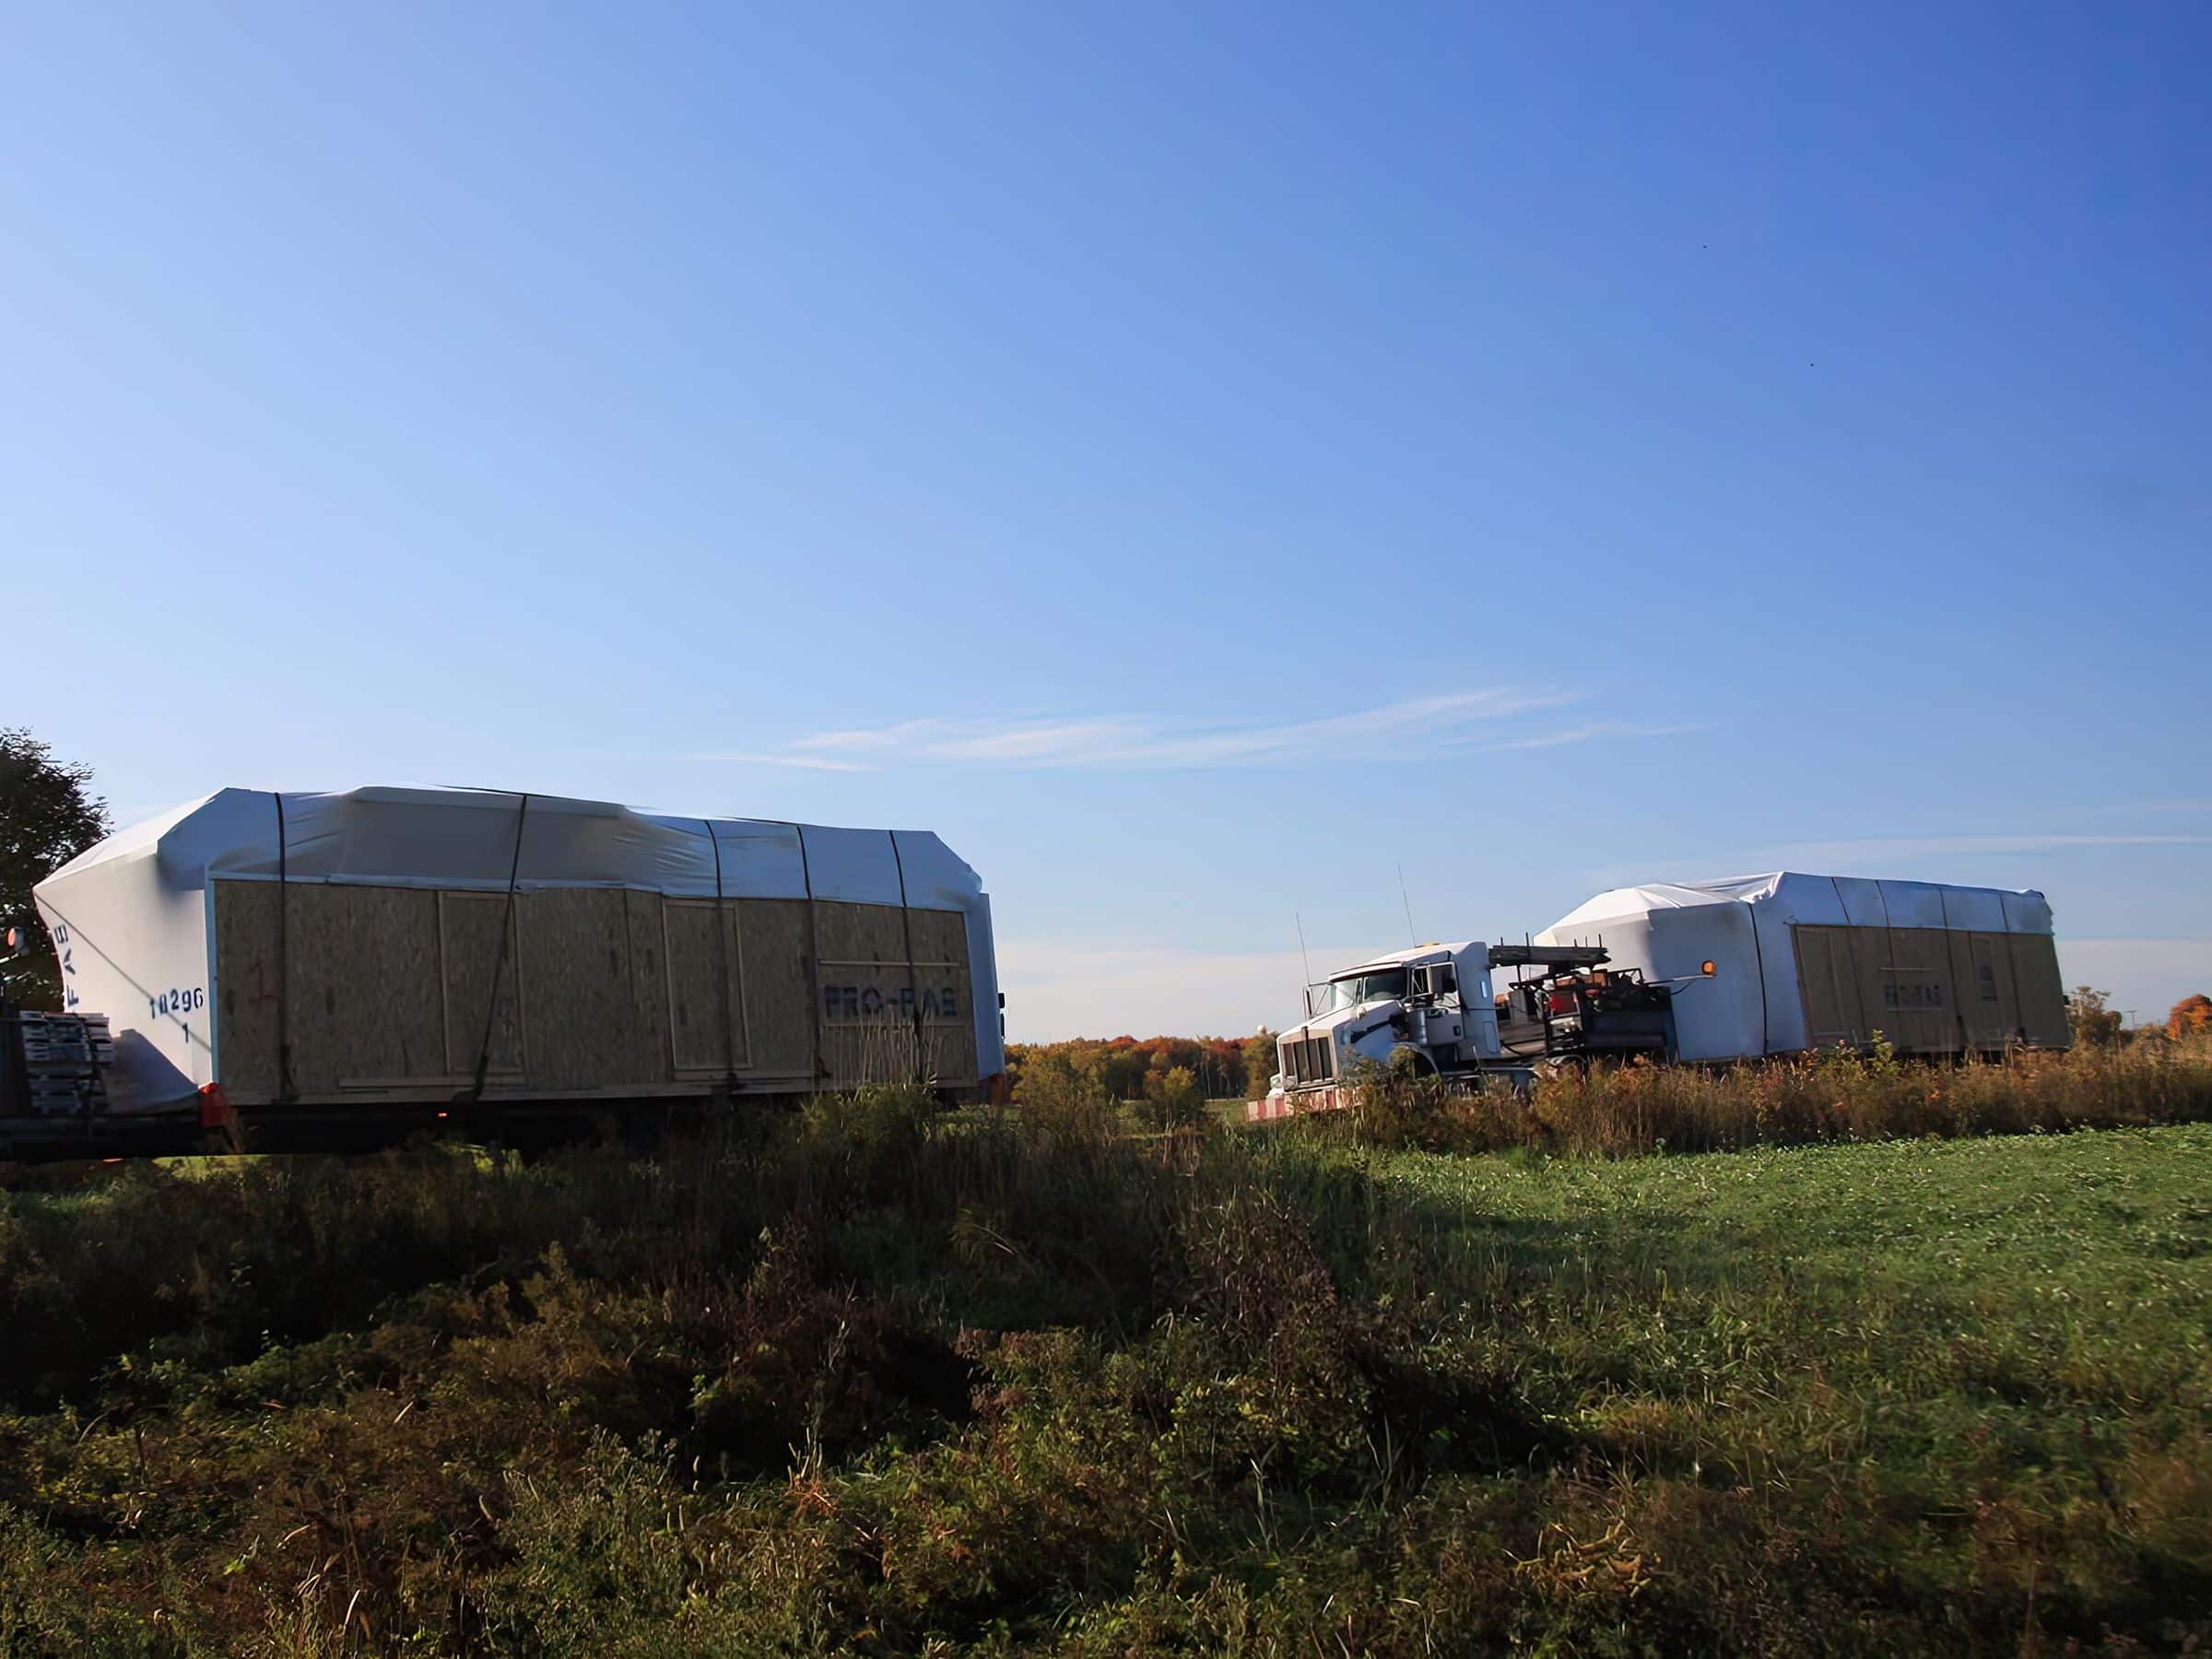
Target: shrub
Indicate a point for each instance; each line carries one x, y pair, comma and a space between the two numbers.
2094, 1023
1173, 1100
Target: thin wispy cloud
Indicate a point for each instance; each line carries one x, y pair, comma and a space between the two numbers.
1408, 730
1594, 731
877, 739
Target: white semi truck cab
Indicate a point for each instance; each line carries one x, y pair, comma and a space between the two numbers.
1432, 999
1440, 1007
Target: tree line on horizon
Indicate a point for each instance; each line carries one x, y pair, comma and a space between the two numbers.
1174, 1072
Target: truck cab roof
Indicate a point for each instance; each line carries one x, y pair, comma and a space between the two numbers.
1430, 952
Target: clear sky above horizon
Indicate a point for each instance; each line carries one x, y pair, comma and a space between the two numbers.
1199, 460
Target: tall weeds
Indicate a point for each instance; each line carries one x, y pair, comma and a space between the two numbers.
870, 1377
1625, 1111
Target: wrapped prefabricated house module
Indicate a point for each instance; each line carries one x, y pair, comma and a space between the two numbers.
1814, 961
408, 945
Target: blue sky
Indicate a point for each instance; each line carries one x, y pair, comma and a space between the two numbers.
1197, 459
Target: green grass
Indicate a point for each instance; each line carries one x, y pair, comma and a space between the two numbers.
864, 1381
2010, 1317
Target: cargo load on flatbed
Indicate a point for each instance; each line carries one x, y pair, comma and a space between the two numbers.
325, 952
1801, 961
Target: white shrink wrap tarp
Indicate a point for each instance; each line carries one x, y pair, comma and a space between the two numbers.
133, 917
1753, 1003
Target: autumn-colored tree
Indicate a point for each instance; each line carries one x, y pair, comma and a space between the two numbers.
2191, 1015
1220, 1066
1128, 1068
47, 815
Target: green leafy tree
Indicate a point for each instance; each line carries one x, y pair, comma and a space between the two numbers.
1260, 1062
2095, 1025
1122, 1066
1173, 1097
47, 815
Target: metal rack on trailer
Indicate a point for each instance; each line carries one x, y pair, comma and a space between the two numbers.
53, 1085
1578, 1007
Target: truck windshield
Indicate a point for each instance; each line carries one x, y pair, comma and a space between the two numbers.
1361, 987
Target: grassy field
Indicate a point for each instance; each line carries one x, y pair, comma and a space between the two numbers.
1935, 1373
860, 1380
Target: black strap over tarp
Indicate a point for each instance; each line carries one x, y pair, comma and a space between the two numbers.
723, 927
286, 1090
498, 963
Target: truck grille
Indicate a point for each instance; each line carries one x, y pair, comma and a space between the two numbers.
1308, 1060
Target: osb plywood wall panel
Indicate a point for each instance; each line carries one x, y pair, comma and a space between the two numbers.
1830, 983
948, 990
778, 985
872, 1005
470, 928
1930, 989
576, 971
1989, 1003
602, 989
1913, 1000
649, 986
2042, 992
361, 975
246, 988
706, 1000
360, 986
